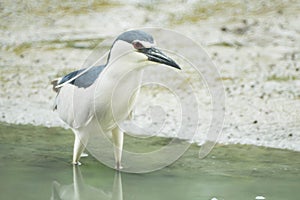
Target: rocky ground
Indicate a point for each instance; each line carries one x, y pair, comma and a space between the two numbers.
254, 45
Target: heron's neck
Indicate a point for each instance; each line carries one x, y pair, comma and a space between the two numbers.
122, 69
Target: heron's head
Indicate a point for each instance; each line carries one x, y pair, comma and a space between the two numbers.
138, 49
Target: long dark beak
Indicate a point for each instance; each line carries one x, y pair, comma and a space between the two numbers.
156, 55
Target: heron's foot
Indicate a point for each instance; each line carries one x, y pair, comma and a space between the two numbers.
77, 163
118, 166
84, 155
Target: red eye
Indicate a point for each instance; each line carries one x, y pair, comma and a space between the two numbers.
137, 45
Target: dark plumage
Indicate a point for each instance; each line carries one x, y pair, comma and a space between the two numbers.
89, 77
130, 36
86, 79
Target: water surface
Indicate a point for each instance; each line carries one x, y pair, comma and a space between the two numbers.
36, 164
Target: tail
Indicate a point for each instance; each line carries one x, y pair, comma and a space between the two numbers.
54, 84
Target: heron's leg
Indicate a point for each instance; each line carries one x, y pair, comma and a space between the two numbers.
117, 192
79, 146
117, 137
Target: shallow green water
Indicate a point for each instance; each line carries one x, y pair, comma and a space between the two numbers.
35, 164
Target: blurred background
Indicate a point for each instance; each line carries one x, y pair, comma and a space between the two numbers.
254, 44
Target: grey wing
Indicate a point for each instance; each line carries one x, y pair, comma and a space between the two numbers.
74, 101
86, 79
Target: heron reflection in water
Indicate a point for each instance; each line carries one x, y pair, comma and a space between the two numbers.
79, 190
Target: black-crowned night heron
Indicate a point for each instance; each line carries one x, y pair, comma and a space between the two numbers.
130, 53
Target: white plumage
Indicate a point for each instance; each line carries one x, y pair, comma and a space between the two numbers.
105, 95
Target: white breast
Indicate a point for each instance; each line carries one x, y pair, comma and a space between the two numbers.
115, 95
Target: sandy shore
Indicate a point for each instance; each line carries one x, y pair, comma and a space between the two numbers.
255, 47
